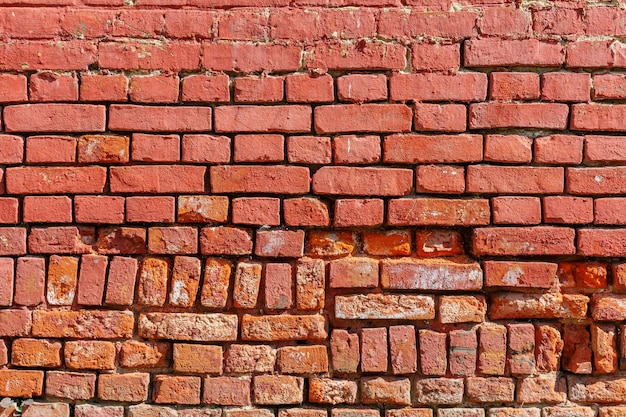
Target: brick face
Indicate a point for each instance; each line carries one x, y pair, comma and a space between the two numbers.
310, 208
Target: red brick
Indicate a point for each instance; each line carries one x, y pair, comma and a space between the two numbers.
537, 306
244, 57
436, 57
259, 148
243, 24
121, 281
258, 89
88, 324
215, 283
490, 390
131, 23
492, 349
548, 348
62, 280
134, 354
396, 23
440, 179
293, 118
157, 179
23, 384
516, 210
605, 21
344, 349
250, 358
47, 209
359, 88
203, 88
54, 118
155, 148
515, 241
12, 241
504, 21
518, 115
438, 211
333, 391
514, 180
385, 307
593, 116
609, 210
170, 389
430, 274
226, 390
362, 181
589, 181
514, 86
295, 24
99, 209
260, 179
438, 243
165, 56
508, 148
559, 149
87, 23
7, 275
186, 358
185, 281
16, 322
278, 286
162, 88
363, 118
462, 309
305, 211
283, 327
594, 53
332, 55
159, 119
609, 86
279, 243
123, 387
601, 242
604, 149
520, 274
50, 86
579, 86
302, 359
558, 21
91, 280
462, 358
433, 357
567, 210
305, 88
153, 278
354, 149
30, 281
71, 385
13, 87
521, 358
467, 86
33, 353
308, 150
225, 241
414, 149
96, 355
47, 55
365, 212
11, 149
440, 117
246, 285
348, 23
66, 239
58, 180
101, 87
353, 273
256, 210
374, 350
46, 149
211, 209
491, 52
604, 346
103, 148
121, 240
150, 209
403, 349
206, 148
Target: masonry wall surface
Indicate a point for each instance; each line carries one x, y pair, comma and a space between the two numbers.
312, 208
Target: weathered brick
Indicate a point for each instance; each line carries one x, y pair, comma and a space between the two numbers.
86, 324
385, 307
278, 389
95, 355
71, 385
124, 387
391, 391
430, 274
547, 305
283, 327
188, 326
332, 391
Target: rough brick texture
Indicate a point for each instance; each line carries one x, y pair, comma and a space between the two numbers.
312, 208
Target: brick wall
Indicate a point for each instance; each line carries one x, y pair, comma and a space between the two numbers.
312, 208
